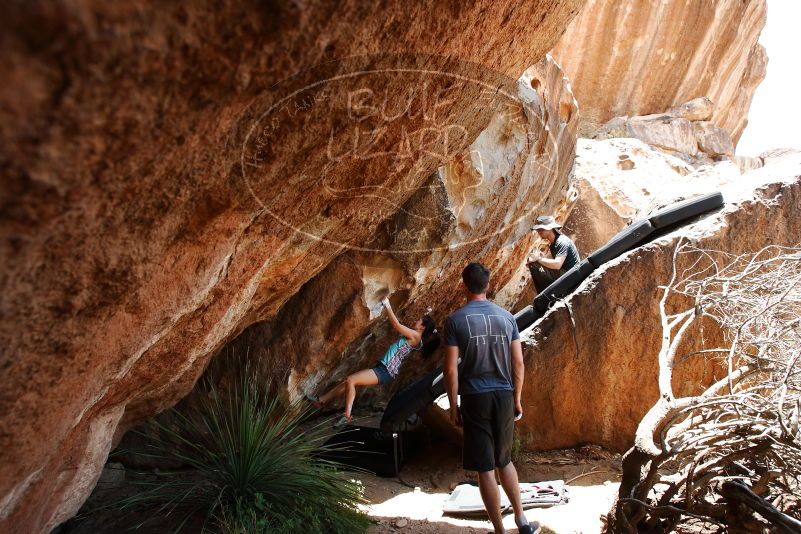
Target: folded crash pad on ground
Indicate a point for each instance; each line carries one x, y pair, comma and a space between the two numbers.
563, 285
466, 498
526, 317
685, 210
412, 399
625, 240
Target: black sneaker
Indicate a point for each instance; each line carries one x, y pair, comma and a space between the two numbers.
532, 528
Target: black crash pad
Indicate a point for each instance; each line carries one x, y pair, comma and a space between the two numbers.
562, 286
411, 399
526, 317
542, 302
686, 210
625, 240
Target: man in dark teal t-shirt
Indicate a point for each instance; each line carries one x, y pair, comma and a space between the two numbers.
564, 254
489, 383
483, 331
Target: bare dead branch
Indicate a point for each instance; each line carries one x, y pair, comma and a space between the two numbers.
744, 428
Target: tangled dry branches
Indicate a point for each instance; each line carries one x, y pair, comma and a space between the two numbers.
730, 456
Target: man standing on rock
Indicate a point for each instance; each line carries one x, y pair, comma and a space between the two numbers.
489, 381
564, 254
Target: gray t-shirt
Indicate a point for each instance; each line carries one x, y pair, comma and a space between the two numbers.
484, 332
563, 246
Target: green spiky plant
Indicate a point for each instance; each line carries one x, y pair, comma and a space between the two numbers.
250, 467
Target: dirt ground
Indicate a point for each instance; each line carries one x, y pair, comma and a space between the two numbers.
414, 503
418, 509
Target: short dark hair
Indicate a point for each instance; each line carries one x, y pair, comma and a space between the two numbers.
476, 277
430, 338
429, 325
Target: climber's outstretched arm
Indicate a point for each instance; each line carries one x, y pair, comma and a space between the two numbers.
412, 335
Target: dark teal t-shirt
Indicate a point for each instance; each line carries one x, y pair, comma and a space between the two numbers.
484, 332
563, 246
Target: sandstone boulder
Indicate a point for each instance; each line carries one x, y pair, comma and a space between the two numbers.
591, 367
663, 131
776, 154
748, 163
697, 109
629, 57
699, 142
712, 140
176, 173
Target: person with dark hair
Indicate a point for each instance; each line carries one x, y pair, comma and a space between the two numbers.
489, 382
564, 254
422, 336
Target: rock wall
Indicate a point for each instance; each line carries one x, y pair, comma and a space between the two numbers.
685, 132
175, 173
479, 206
594, 382
620, 180
632, 57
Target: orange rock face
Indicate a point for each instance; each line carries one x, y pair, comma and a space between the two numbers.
592, 383
629, 57
173, 174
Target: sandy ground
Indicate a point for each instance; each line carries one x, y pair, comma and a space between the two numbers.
414, 504
398, 508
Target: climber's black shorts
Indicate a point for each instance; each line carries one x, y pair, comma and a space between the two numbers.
382, 373
489, 422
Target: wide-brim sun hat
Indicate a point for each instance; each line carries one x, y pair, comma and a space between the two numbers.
546, 222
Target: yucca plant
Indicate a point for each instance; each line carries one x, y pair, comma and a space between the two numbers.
250, 467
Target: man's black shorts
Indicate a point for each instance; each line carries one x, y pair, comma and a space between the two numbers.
489, 421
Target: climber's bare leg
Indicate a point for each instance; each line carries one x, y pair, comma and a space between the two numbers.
365, 377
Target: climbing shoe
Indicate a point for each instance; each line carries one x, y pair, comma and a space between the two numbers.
342, 420
314, 400
531, 528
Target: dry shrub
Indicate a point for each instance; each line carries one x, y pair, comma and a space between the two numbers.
731, 456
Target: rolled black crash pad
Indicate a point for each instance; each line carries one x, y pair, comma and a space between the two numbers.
526, 317
685, 210
624, 240
542, 302
562, 286
411, 399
